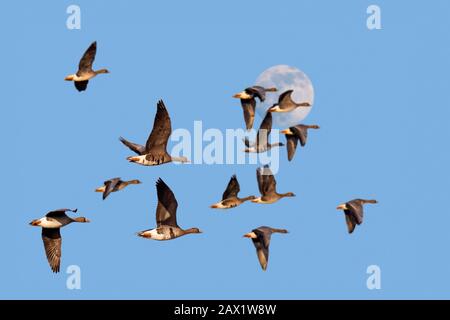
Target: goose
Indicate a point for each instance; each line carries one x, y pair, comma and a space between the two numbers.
248, 102
85, 71
51, 223
293, 134
155, 150
267, 187
261, 239
286, 104
354, 212
262, 139
115, 184
166, 217
230, 197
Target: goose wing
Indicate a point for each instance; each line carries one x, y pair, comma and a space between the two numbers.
262, 138
110, 185
87, 60
355, 209
166, 211
81, 85
301, 132
59, 213
266, 181
350, 221
291, 145
285, 99
248, 106
162, 128
137, 148
52, 244
257, 91
261, 243
232, 189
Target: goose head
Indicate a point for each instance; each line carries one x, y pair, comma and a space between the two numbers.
243, 95
342, 207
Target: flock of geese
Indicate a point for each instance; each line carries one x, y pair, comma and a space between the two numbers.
154, 152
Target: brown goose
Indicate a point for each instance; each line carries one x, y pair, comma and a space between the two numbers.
166, 216
51, 223
155, 151
261, 239
262, 139
267, 187
114, 185
248, 102
85, 71
353, 211
293, 134
230, 197
286, 104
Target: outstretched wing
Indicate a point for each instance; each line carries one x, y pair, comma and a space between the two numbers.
162, 128
59, 213
301, 132
285, 98
81, 85
137, 148
261, 243
262, 138
355, 208
351, 222
109, 186
257, 91
88, 58
52, 244
166, 211
232, 189
291, 145
248, 106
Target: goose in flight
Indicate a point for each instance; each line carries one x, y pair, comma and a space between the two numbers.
261, 239
51, 223
155, 150
354, 212
286, 104
248, 102
230, 197
262, 139
294, 134
85, 71
114, 185
267, 187
166, 216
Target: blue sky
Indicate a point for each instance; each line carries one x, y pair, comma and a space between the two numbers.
381, 99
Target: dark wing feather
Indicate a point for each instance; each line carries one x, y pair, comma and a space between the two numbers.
291, 145
59, 213
166, 212
52, 244
301, 132
110, 185
262, 138
87, 60
269, 182
161, 131
81, 85
248, 106
355, 208
351, 223
232, 189
261, 244
257, 91
137, 148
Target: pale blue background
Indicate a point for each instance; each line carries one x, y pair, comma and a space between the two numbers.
382, 101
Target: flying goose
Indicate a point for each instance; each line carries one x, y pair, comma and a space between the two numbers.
166, 216
230, 197
293, 134
155, 150
51, 223
113, 185
262, 139
85, 71
248, 102
353, 211
261, 239
267, 187
286, 104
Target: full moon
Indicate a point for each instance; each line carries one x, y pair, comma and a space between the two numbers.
284, 77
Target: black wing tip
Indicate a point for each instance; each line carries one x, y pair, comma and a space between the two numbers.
161, 104
233, 177
160, 183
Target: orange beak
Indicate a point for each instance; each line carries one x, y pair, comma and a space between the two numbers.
35, 223
133, 159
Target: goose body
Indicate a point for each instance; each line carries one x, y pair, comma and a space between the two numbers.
155, 150
114, 185
295, 134
51, 236
262, 139
248, 102
267, 187
166, 217
230, 197
354, 212
85, 71
286, 104
261, 240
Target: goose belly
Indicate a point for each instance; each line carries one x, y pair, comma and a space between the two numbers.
159, 234
51, 224
142, 160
